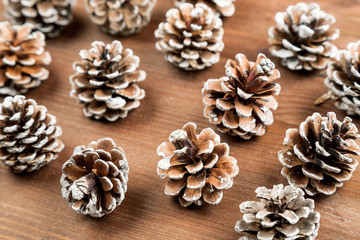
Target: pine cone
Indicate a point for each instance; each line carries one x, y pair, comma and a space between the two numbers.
50, 17
343, 78
191, 37
120, 17
282, 213
240, 103
94, 179
29, 135
22, 57
321, 154
225, 8
302, 37
199, 166
106, 81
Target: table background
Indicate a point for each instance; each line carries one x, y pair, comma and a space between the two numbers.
31, 206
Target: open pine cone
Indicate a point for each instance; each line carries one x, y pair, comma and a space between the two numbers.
50, 17
94, 179
22, 57
106, 81
282, 213
321, 154
223, 7
29, 136
199, 166
240, 103
302, 37
343, 80
120, 17
191, 37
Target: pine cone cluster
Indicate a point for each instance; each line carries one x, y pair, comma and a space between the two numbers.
50, 17
343, 79
240, 103
301, 38
120, 17
23, 58
191, 37
106, 81
282, 213
198, 165
225, 8
29, 136
94, 179
321, 154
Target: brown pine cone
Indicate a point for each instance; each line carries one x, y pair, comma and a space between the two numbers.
22, 57
343, 78
321, 154
49, 17
240, 103
120, 17
94, 179
199, 166
106, 81
29, 135
225, 8
302, 37
191, 37
282, 213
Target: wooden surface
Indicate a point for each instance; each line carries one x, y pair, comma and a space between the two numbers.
31, 206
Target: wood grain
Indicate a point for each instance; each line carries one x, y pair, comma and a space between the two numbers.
31, 206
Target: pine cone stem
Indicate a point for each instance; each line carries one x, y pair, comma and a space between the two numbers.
322, 99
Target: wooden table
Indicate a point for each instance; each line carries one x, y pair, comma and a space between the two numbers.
31, 206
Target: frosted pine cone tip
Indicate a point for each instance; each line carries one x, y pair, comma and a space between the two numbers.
120, 17
281, 213
198, 166
23, 58
225, 8
94, 179
106, 80
302, 36
29, 136
240, 103
322, 153
191, 37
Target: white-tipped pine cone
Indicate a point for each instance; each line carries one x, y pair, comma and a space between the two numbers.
281, 214
225, 8
23, 58
120, 17
343, 79
198, 165
29, 136
94, 179
240, 103
48, 16
191, 37
301, 38
321, 154
106, 81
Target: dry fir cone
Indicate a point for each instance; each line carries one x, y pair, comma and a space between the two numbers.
343, 80
198, 166
321, 154
223, 7
106, 79
22, 58
120, 17
94, 179
191, 37
29, 136
282, 213
49, 17
301, 38
241, 102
